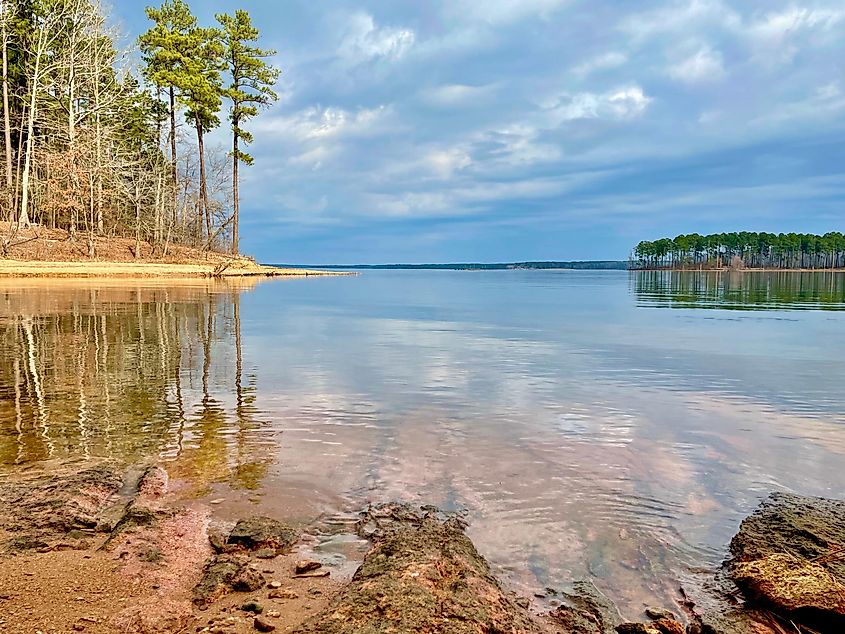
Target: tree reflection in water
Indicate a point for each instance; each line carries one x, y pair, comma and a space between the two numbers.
129, 371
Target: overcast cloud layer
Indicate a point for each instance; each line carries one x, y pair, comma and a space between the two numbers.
501, 130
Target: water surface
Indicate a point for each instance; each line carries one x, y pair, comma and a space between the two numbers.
606, 425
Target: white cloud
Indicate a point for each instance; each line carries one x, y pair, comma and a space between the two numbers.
321, 123
621, 103
521, 145
504, 11
682, 18
365, 41
827, 101
704, 65
445, 162
602, 62
774, 36
452, 95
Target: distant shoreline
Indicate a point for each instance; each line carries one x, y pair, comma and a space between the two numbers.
579, 265
735, 270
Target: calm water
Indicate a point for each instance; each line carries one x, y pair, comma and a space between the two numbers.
595, 424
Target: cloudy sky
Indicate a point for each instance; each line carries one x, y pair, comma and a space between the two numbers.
502, 130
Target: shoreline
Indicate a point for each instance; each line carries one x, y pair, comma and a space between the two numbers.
90, 547
730, 270
242, 268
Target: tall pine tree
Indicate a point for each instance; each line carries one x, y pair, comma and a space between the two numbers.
201, 94
252, 81
166, 47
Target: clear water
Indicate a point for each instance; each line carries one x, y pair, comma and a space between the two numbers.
606, 425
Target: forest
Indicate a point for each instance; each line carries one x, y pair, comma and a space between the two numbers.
744, 249
101, 140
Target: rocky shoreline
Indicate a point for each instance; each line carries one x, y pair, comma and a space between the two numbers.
91, 548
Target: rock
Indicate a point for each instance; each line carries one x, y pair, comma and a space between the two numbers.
787, 557
660, 626
306, 565
422, 574
253, 607
282, 594
217, 540
275, 584
733, 621
223, 574
655, 614
41, 507
316, 574
637, 628
788, 584
806, 527
669, 626
265, 553
262, 625
274, 614
586, 611
257, 533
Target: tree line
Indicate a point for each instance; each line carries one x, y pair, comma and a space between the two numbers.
94, 143
743, 249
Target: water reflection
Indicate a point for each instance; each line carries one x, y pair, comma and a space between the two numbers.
586, 436
752, 290
129, 371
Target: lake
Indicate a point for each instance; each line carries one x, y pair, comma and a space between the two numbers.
606, 425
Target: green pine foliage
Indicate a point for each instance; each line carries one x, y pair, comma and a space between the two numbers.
746, 249
250, 88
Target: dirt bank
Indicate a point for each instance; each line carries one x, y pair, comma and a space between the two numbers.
40, 252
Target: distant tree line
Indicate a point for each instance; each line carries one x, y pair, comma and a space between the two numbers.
94, 146
470, 266
743, 249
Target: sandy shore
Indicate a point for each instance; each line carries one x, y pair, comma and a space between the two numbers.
94, 269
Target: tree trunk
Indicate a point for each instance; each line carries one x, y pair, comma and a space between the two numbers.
203, 189
235, 196
7, 125
174, 176
137, 220
23, 218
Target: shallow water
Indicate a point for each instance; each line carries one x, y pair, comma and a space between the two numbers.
588, 430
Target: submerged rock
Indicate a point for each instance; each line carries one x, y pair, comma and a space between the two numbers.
422, 575
262, 533
586, 610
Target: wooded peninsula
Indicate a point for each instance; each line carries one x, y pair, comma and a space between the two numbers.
743, 249
94, 142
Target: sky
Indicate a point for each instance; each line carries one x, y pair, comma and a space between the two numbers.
513, 130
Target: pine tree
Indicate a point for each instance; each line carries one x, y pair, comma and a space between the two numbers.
252, 81
166, 47
201, 94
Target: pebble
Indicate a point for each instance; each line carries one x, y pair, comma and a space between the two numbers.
282, 594
262, 625
658, 613
306, 565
